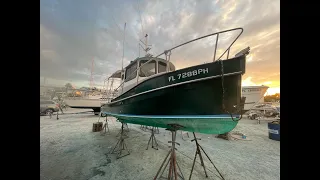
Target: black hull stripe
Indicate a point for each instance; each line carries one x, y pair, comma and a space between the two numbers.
177, 84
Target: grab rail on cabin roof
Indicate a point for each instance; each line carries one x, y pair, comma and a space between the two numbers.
215, 49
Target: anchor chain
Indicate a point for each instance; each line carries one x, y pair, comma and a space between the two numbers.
223, 92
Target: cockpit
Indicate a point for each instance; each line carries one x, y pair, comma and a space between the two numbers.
133, 75
155, 66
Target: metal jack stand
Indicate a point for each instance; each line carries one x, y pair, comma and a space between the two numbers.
143, 127
105, 126
173, 173
156, 130
153, 139
182, 135
121, 145
123, 132
126, 126
198, 152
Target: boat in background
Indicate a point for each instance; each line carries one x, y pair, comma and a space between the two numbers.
254, 95
204, 98
91, 101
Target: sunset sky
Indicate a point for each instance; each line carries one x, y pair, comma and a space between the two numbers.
74, 32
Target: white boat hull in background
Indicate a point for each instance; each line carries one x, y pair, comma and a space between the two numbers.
84, 103
254, 95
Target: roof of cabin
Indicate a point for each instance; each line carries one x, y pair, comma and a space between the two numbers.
117, 74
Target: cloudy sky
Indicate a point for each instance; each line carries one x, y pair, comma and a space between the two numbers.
73, 32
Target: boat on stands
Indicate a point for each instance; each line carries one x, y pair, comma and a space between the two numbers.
205, 98
88, 99
254, 95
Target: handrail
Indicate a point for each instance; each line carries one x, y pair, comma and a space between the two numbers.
217, 33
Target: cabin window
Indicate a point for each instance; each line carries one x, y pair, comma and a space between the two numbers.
162, 67
172, 68
147, 69
131, 72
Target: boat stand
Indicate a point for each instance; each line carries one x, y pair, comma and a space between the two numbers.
198, 152
143, 127
123, 132
120, 146
156, 130
173, 173
105, 126
184, 133
153, 139
127, 127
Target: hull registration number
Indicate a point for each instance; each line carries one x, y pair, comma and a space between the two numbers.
188, 74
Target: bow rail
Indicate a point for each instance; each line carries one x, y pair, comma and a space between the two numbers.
168, 52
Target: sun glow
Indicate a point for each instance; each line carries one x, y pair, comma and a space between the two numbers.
272, 91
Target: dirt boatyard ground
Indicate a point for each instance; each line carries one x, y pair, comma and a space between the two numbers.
69, 150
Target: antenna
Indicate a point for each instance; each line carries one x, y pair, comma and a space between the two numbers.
140, 18
139, 49
124, 36
147, 48
146, 36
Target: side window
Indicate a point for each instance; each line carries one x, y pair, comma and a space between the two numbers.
147, 69
162, 67
130, 72
172, 68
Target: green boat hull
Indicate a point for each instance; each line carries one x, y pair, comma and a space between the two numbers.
204, 124
201, 98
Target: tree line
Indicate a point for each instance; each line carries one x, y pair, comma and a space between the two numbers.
272, 98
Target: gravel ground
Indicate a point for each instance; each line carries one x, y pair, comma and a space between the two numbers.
70, 150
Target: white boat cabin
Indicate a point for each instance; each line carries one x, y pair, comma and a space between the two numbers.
133, 76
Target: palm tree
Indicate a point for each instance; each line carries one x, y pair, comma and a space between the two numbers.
68, 86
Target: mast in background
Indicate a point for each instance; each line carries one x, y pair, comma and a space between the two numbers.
124, 36
91, 77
